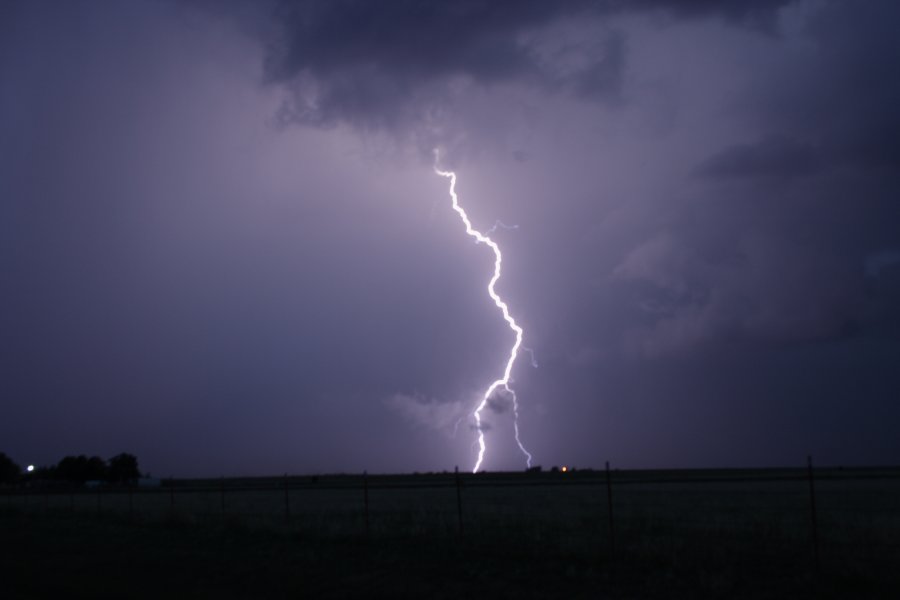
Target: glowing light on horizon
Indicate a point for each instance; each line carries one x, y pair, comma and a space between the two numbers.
503, 382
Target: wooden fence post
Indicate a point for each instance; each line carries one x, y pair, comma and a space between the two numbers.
366, 500
287, 501
609, 505
459, 511
812, 507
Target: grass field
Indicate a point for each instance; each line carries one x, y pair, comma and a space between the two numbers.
675, 534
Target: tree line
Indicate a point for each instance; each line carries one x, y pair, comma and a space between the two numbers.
121, 469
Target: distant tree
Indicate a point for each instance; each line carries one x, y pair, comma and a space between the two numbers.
9, 470
78, 469
68, 469
96, 469
43, 473
123, 468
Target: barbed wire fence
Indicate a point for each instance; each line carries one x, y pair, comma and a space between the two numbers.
821, 516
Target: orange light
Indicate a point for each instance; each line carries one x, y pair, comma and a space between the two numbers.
564, 469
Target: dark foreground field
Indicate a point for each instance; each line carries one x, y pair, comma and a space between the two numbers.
696, 534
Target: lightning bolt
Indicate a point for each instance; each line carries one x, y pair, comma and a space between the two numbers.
503, 382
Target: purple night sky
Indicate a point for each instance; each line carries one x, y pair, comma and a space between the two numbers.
223, 247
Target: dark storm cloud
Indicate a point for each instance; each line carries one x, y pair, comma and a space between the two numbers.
856, 97
707, 251
760, 15
843, 99
776, 243
403, 65
775, 157
771, 290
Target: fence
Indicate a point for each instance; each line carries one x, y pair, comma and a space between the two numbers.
814, 517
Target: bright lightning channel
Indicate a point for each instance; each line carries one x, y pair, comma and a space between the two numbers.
503, 382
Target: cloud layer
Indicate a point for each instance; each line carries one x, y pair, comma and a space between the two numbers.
216, 222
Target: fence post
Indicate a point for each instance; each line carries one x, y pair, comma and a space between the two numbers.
287, 501
222, 494
459, 511
812, 507
609, 505
171, 494
366, 500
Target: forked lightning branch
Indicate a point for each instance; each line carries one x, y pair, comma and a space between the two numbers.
503, 382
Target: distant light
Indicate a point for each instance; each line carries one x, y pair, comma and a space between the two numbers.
29, 468
564, 469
